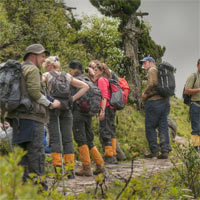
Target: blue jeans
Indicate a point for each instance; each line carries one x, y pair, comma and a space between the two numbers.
195, 118
156, 113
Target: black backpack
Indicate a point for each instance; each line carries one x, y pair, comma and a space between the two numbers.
89, 103
187, 97
166, 80
10, 85
116, 99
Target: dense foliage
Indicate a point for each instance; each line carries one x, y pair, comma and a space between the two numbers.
117, 8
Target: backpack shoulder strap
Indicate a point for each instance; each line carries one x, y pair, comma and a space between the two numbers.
54, 74
195, 78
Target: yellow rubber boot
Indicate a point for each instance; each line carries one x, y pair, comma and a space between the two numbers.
69, 161
96, 156
86, 162
56, 159
114, 146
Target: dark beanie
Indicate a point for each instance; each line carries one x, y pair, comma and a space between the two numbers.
76, 65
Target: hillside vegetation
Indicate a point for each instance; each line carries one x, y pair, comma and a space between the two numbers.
130, 127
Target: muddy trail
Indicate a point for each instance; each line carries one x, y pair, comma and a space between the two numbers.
120, 171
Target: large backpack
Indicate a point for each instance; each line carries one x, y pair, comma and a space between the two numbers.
117, 96
10, 85
166, 80
125, 88
187, 97
89, 103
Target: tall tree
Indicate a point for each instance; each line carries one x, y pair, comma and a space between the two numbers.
132, 30
102, 40
49, 22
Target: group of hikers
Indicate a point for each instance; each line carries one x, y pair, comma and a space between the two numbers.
63, 116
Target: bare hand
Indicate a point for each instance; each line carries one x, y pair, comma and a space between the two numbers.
90, 71
102, 115
144, 96
56, 104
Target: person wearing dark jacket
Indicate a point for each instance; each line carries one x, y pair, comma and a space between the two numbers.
28, 125
82, 130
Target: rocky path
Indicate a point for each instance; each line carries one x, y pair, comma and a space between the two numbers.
118, 171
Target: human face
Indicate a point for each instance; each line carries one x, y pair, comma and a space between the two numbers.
198, 67
39, 59
73, 71
48, 66
146, 65
93, 65
97, 72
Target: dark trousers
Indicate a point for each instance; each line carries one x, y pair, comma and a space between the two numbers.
82, 129
34, 160
65, 118
195, 118
107, 127
156, 113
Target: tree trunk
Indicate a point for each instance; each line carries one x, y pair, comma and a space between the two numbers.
130, 41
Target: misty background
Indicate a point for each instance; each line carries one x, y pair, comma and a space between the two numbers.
175, 25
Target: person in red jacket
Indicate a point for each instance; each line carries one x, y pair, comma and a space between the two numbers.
107, 114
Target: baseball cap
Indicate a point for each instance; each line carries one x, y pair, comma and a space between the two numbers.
36, 49
198, 62
148, 58
75, 65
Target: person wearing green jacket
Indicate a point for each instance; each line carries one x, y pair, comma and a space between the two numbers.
28, 124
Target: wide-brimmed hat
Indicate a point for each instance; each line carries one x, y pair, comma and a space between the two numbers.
36, 49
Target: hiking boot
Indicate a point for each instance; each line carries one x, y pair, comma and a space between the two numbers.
84, 171
71, 175
110, 160
163, 155
120, 154
99, 169
151, 155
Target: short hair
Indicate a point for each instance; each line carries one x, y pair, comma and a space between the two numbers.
74, 64
53, 60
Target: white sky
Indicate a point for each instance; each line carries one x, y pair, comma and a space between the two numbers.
175, 25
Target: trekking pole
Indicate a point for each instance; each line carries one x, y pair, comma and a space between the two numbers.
57, 111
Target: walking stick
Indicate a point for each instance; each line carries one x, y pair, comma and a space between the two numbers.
57, 112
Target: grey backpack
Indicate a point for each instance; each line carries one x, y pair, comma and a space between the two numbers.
89, 103
10, 85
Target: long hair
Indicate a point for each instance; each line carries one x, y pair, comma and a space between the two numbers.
104, 69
